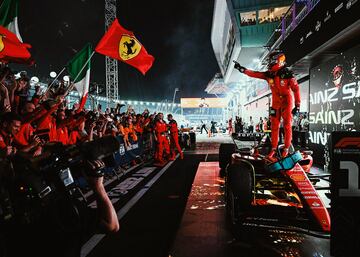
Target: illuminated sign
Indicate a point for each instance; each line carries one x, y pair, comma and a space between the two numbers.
203, 102
334, 99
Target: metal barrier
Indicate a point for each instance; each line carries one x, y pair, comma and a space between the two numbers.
139, 150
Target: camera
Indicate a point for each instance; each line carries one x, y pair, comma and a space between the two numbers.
31, 186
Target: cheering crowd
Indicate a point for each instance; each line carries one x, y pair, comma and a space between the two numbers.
27, 122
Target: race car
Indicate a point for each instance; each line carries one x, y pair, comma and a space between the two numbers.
273, 195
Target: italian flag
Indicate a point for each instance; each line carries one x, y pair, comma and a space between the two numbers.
79, 71
9, 16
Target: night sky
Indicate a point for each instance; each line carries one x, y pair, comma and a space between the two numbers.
176, 33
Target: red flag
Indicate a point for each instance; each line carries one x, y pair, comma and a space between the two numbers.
11, 49
121, 44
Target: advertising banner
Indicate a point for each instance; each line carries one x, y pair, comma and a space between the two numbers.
126, 154
345, 193
203, 102
334, 100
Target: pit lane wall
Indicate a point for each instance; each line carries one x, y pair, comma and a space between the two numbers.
334, 100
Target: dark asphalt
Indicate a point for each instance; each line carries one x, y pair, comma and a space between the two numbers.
161, 224
149, 228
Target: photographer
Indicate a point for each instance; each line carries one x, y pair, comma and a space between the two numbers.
63, 226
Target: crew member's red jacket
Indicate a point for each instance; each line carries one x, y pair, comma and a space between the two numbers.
173, 127
42, 118
24, 134
49, 123
160, 127
62, 135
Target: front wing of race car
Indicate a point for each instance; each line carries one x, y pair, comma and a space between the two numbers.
296, 194
309, 196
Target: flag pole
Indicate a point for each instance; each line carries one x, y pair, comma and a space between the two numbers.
72, 85
52, 83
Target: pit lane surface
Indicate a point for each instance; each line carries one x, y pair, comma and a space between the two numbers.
168, 213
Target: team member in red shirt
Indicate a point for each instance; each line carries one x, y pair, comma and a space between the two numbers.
61, 129
10, 126
77, 130
160, 130
282, 83
174, 138
26, 129
43, 118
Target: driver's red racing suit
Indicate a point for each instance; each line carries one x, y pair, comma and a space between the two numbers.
281, 84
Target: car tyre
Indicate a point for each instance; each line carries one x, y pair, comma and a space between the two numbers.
239, 192
225, 152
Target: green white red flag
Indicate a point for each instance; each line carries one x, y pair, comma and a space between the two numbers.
79, 70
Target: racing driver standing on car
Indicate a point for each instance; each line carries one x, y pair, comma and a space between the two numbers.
282, 83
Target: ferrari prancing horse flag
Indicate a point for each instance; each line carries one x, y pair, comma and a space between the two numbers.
122, 45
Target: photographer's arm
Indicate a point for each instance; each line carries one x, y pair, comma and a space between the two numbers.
108, 219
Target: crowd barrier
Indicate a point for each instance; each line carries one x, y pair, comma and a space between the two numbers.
142, 150
128, 154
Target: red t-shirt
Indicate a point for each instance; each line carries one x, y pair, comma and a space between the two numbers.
62, 135
26, 131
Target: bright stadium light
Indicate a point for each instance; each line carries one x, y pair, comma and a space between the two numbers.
169, 105
129, 102
135, 102
34, 80
141, 103
66, 78
163, 104
53, 74
153, 104
159, 103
